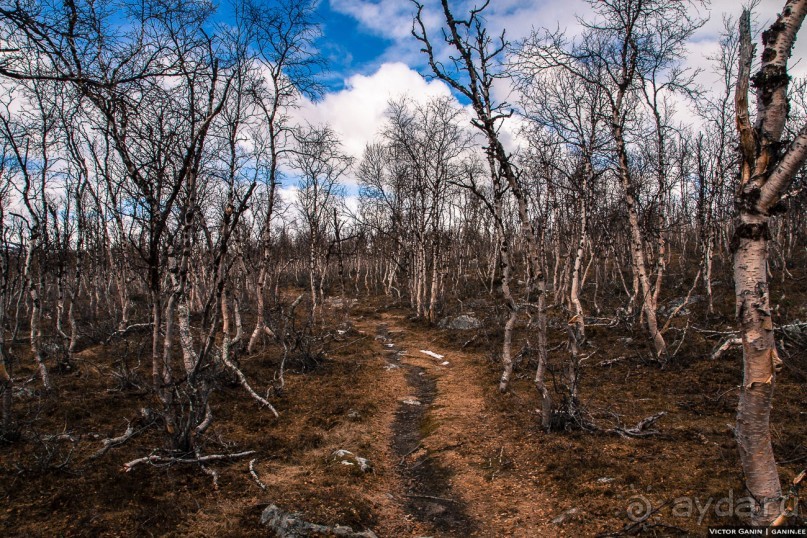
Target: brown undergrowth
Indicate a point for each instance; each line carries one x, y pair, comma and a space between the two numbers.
476, 462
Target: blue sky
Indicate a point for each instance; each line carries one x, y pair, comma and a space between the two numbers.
348, 46
373, 57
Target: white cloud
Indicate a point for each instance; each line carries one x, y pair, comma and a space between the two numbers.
356, 113
387, 18
392, 19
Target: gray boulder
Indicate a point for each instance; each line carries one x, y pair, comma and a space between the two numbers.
288, 525
461, 323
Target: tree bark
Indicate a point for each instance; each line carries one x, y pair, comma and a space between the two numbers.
765, 173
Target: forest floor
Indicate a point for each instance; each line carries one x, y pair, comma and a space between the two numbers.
450, 456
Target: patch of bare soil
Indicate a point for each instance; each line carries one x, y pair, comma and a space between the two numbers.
463, 448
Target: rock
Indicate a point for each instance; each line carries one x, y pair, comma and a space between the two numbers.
410, 401
461, 323
605, 480
364, 464
565, 516
340, 302
289, 525
346, 457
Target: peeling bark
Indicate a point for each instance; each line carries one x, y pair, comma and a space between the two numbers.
765, 173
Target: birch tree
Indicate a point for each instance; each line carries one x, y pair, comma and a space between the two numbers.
320, 161
478, 64
768, 165
283, 36
632, 44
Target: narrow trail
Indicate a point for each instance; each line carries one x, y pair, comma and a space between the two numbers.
459, 468
427, 483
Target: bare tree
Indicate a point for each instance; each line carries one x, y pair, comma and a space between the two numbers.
472, 73
321, 163
283, 36
6, 382
426, 142
31, 142
631, 46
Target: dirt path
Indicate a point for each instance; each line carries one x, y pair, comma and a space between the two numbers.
459, 467
428, 497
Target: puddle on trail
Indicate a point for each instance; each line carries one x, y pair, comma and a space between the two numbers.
428, 494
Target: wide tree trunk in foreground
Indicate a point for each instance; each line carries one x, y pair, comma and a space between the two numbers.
766, 170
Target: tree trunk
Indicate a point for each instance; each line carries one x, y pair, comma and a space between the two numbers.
766, 171
760, 363
640, 271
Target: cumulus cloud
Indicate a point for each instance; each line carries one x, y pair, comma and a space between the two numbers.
356, 113
390, 19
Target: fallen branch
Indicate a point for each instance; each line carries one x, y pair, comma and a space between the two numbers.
107, 444
244, 383
642, 428
212, 474
602, 322
727, 344
410, 453
791, 501
609, 362
683, 303
430, 497
711, 332
681, 341
155, 460
791, 326
349, 343
114, 441
60, 437
121, 332
255, 476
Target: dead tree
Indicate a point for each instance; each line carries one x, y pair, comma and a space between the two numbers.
32, 149
6, 382
321, 163
472, 74
426, 141
630, 45
283, 37
567, 116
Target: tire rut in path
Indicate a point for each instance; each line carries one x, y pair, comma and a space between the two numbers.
429, 494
